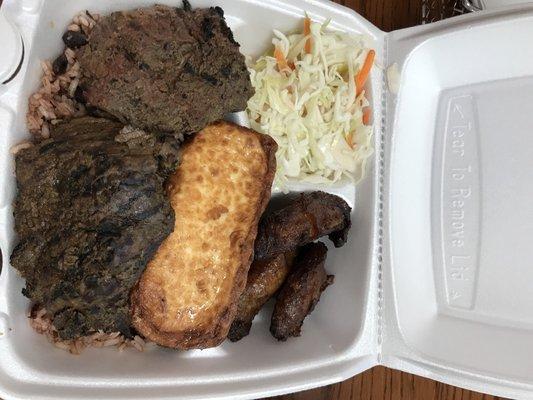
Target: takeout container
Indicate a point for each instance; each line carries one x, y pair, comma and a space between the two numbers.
12, 49
437, 276
491, 4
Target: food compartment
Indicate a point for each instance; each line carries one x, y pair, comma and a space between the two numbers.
338, 338
460, 206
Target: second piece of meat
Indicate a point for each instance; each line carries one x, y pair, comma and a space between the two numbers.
307, 218
165, 69
90, 212
264, 279
301, 291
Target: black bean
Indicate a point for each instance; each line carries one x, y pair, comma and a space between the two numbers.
59, 66
79, 96
73, 39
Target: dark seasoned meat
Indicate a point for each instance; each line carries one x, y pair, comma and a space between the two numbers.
264, 279
165, 69
90, 212
308, 217
300, 292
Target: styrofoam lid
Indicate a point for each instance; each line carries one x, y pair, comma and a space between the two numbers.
11, 45
461, 190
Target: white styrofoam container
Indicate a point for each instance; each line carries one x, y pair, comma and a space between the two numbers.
491, 4
436, 278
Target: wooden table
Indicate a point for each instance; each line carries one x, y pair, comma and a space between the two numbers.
381, 383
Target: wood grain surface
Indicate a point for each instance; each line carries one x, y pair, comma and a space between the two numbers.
381, 383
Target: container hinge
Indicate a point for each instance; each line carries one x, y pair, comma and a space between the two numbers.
381, 196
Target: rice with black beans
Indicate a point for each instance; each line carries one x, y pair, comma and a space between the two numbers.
55, 99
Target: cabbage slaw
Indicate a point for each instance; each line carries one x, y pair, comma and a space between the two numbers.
306, 99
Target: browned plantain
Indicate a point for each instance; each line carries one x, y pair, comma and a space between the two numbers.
300, 292
264, 279
305, 219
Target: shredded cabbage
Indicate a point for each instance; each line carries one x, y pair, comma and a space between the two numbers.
393, 78
311, 108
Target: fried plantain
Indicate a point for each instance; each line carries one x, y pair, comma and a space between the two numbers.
264, 279
307, 218
300, 292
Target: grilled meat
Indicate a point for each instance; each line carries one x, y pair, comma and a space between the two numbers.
307, 218
90, 212
300, 292
264, 279
187, 296
165, 69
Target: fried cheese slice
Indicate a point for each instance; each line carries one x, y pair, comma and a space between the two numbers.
187, 296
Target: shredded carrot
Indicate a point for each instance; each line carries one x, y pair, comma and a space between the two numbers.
307, 32
349, 140
362, 76
281, 60
367, 113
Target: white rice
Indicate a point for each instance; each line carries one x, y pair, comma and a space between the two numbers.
21, 146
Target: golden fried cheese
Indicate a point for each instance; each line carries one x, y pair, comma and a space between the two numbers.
187, 296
